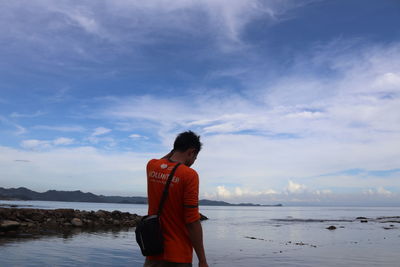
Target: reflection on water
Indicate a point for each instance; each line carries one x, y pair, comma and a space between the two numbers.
85, 248
66, 234
280, 236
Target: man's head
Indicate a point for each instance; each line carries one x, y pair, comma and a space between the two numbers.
188, 144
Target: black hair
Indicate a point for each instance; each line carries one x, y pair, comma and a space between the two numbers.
187, 140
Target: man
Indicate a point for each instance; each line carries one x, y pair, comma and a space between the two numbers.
180, 217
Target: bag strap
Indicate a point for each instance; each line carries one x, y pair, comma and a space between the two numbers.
165, 193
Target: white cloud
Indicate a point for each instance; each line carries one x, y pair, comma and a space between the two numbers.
388, 80
30, 115
237, 193
223, 192
295, 188
20, 129
109, 140
379, 191
98, 137
138, 136
383, 191
84, 19
73, 128
299, 194
323, 192
100, 131
63, 141
35, 144
302, 196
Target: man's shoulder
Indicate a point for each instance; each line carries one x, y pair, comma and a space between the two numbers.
154, 164
152, 161
188, 171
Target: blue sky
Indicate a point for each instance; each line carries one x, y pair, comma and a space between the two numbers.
296, 101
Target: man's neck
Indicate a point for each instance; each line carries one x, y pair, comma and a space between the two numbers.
178, 157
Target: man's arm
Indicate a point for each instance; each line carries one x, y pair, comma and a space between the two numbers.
196, 237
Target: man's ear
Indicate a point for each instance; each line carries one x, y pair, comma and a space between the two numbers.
191, 151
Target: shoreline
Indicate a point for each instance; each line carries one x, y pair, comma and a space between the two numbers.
19, 221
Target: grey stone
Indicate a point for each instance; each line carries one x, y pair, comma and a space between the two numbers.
76, 222
100, 213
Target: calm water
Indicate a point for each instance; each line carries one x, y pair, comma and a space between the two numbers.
234, 236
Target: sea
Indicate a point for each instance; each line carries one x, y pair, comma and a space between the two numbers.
233, 236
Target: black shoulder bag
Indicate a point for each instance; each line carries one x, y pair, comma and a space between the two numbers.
148, 230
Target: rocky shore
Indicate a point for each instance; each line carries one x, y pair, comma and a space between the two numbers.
27, 221
23, 221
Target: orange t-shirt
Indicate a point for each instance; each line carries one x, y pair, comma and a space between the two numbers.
180, 207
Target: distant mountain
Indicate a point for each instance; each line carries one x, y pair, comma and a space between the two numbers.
23, 193
206, 202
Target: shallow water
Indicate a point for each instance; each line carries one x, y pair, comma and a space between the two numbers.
234, 236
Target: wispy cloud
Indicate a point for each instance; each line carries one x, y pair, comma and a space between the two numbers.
366, 173
20, 130
63, 141
117, 26
138, 136
100, 131
35, 144
66, 128
98, 136
30, 115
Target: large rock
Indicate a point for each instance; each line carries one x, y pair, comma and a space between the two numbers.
76, 222
101, 213
116, 214
65, 213
38, 216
